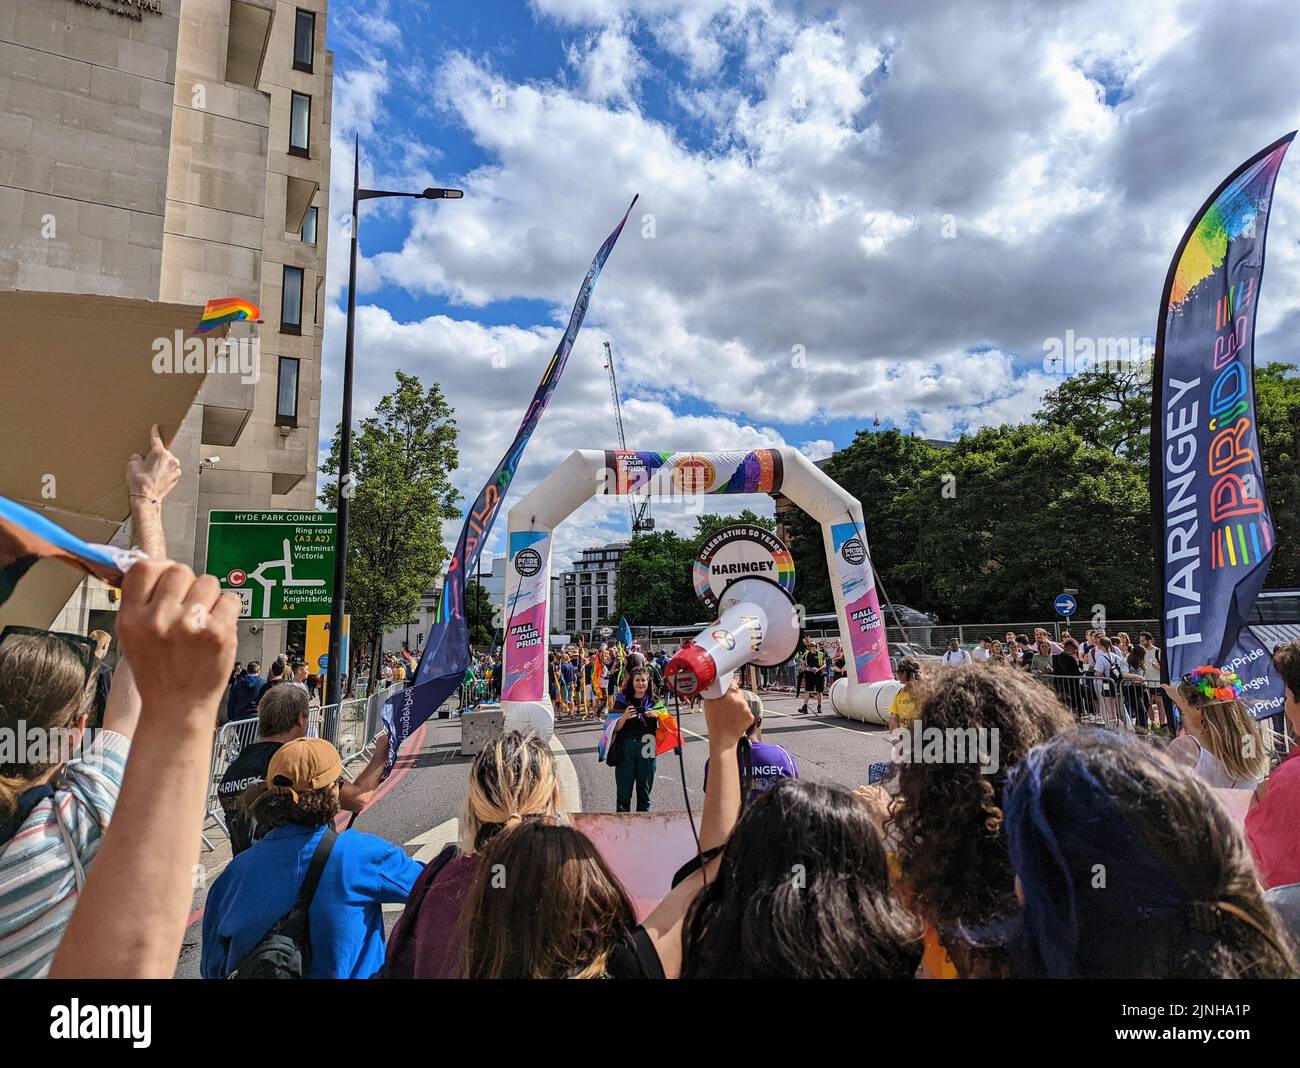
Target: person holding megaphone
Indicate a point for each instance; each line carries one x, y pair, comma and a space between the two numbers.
633, 742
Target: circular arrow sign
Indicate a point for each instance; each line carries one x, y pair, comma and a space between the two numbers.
1066, 605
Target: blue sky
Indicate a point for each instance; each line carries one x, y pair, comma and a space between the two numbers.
915, 199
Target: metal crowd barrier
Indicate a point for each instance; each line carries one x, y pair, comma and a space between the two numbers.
1125, 704
351, 727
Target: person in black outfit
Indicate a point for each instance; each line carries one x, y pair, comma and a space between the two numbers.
634, 741
244, 692
103, 678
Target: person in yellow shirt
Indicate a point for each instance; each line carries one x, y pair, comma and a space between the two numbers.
903, 709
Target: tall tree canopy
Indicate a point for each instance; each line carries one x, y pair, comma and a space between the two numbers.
993, 528
401, 493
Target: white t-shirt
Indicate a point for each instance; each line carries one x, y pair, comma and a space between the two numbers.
959, 657
979, 655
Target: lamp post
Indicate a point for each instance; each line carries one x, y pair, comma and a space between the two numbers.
338, 607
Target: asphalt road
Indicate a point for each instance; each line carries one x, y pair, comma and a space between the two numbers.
419, 804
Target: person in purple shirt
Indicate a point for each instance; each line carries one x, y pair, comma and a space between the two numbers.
769, 763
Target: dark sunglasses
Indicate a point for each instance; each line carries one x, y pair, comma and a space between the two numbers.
82, 646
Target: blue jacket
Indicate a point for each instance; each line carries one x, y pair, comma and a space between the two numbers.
244, 691
346, 918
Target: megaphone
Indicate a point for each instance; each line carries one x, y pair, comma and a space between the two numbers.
757, 624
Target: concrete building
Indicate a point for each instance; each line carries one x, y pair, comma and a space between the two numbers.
178, 151
586, 593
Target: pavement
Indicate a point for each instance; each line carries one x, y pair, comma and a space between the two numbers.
418, 806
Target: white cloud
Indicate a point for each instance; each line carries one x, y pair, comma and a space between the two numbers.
876, 209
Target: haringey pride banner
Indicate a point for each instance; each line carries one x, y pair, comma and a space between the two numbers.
1212, 518
446, 652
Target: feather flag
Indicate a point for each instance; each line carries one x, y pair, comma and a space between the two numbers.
227, 310
446, 652
1213, 525
27, 536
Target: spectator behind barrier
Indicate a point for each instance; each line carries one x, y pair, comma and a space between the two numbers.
584, 915
511, 779
297, 804
952, 850
1223, 742
1177, 897
283, 715
54, 811
802, 892
1273, 822
244, 693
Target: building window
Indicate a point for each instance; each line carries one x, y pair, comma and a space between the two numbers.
286, 394
300, 125
308, 233
304, 34
291, 301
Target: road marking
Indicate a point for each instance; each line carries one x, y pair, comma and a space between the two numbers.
567, 774
435, 840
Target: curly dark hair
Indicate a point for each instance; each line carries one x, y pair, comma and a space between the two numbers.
802, 892
952, 849
272, 808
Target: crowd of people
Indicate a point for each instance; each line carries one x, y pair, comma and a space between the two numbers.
959, 871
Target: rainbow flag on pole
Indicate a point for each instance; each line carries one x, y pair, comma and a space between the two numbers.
227, 310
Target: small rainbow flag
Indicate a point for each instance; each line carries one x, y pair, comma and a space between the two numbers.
227, 310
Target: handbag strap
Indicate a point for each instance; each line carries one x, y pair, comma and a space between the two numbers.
318, 861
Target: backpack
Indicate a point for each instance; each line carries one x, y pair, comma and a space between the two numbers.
284, 952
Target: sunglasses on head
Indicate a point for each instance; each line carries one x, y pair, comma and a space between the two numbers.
82, 646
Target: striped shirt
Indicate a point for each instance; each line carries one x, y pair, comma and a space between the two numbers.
38, 879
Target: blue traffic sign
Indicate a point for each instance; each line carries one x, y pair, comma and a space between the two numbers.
1066, 605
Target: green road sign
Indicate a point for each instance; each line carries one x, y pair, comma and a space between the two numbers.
281, 564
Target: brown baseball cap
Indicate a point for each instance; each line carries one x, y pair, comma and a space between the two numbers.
304, 764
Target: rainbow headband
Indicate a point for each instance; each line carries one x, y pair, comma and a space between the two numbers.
226, 310
1201, 679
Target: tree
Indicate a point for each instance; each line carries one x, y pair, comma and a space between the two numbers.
707, 525
877, 469
1109, 408
1010, 516
400, 496
478, 616
1277, 407
654, 581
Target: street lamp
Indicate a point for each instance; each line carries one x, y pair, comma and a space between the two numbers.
338, 606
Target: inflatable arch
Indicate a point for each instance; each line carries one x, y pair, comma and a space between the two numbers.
864, 695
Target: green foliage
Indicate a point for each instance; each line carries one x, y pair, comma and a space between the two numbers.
478, 616
994, 528
401, 493
654, 576
1277, 407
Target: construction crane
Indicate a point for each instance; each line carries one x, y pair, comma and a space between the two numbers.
639, 506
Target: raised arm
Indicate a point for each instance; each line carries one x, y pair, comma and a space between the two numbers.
355, 796
179, 635
148, 481
727, 719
